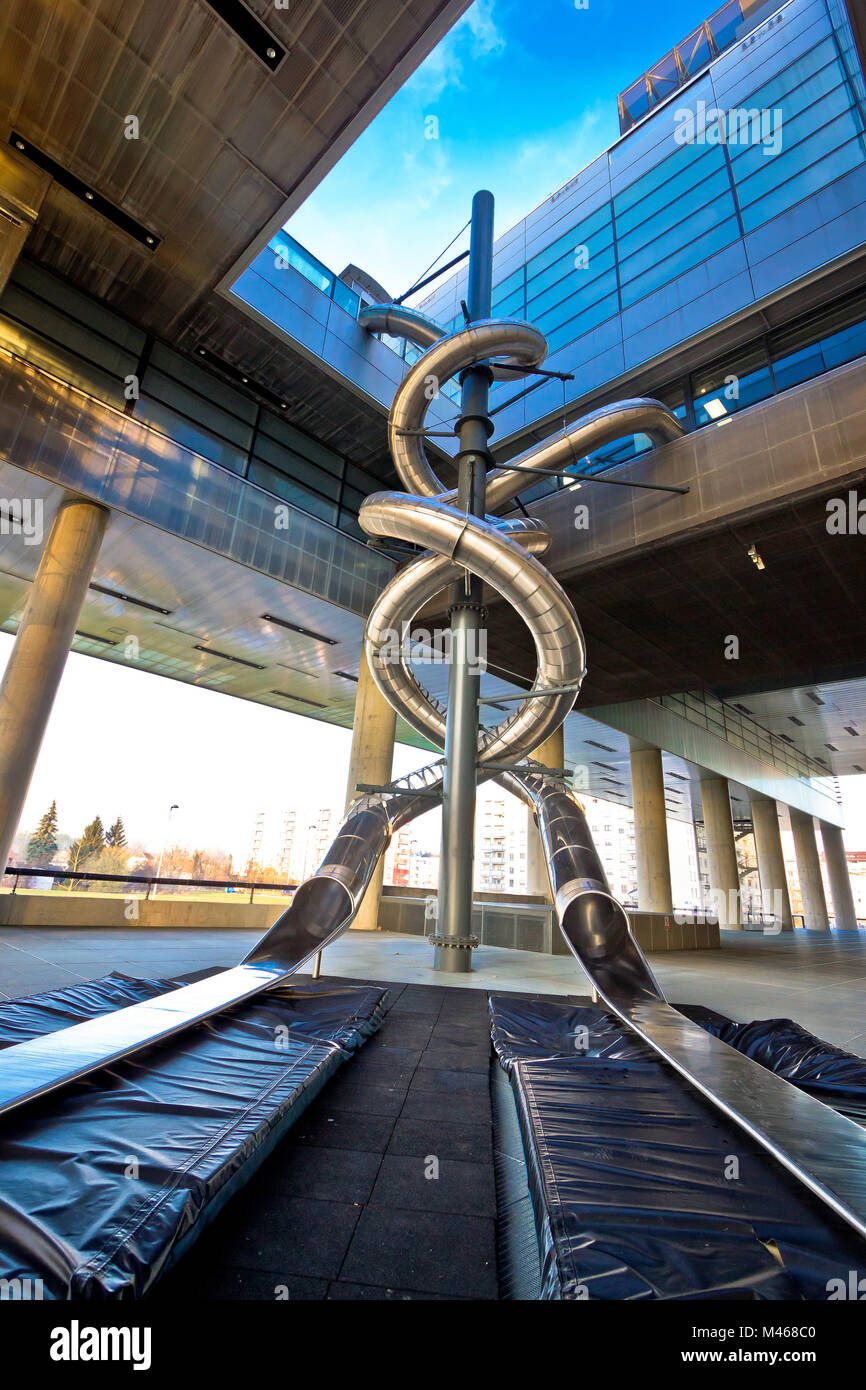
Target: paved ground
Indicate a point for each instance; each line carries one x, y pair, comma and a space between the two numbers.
817, 979
344, 1208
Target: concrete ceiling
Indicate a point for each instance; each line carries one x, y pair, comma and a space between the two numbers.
656, 621
227, 149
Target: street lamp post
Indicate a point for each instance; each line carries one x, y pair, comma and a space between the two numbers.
173, 807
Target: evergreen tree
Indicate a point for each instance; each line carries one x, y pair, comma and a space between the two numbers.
92, 840
115, 837
42, 845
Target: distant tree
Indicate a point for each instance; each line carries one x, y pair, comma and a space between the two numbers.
93, 839
74, 861
87, 847
42, 845
115, 836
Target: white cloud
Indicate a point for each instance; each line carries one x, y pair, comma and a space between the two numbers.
474, 36
486, 37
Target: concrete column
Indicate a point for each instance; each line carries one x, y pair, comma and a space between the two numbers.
840, 881
654, 892
721, 849
809, 871
552, 754
771, 861
370, 761
41, 647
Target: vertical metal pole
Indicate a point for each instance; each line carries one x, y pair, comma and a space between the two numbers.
461, 734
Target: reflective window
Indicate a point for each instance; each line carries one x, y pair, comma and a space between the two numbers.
191, 434
829, 167
823, 341
845, 345
696, 166
683, 232
694, 52
584, 285
682, 260
291, 491
731, 385
593, 232
818, 137
582, 323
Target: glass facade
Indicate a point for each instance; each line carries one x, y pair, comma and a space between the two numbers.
287, 252
698, 200
668, 235
45, 321
803, 349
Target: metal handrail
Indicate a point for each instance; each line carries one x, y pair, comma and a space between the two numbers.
152, 880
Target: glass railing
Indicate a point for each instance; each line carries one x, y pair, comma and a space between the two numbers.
742, 731
69, 437
290, 253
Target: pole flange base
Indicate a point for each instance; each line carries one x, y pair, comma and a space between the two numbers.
457, 943
471, 605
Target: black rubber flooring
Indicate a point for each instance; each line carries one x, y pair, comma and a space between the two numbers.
384, 1189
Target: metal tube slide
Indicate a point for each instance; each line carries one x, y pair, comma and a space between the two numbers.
822, 1149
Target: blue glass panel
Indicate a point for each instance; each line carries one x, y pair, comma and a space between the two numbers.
294, 255
672, 214
659, 174
686, 233
512, 307
569, 297
505, 287
831, 167
691, 255
724, 24
795, 75
593, 232
753, 159
709, 163
798, 366
715, 405
843, 346
582, 323
346, 298
565, 278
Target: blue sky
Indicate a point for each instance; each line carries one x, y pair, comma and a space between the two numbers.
525, 96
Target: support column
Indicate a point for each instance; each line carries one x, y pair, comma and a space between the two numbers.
41, 647
771, 860
721, 849
552, 754
840, 880
809, 871
654, 893
452, 952
370, 760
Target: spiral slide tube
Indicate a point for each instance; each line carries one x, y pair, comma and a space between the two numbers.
824, 1151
